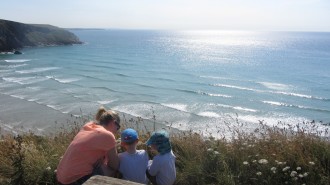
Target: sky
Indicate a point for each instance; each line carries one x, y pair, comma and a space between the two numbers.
264, 15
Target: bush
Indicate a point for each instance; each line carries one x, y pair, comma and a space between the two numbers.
269, 155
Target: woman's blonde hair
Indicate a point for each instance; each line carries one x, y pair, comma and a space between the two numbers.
103, 116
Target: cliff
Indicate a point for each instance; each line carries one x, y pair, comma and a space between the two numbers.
15, 35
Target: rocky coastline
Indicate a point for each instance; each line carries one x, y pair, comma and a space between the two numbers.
15, 36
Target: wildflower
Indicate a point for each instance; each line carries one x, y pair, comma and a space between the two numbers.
48, 168
245, 163
254, 161
273, 169
55, 171
298, 168
273, 154
216, 153
210, 150
259, 173
301, 175
305, 174
293, 174
263, 161
286, 168
311, 163
278, 162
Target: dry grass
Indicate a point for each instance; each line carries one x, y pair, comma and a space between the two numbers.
269, 155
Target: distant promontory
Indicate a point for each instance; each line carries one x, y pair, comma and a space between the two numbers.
15, 35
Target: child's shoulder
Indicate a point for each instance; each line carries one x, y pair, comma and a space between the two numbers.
166, 155
122, 154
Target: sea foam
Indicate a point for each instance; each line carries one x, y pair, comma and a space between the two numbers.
17, 61
36, 70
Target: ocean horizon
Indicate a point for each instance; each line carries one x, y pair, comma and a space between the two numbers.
189, 80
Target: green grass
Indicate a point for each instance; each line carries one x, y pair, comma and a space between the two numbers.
269, 155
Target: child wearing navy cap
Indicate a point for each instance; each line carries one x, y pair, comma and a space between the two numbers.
161, 170
133, 162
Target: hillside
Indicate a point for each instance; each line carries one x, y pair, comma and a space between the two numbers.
15, 35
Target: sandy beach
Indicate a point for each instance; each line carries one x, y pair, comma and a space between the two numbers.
17, 115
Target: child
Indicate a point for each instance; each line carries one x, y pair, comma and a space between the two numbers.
133, 163
161, 170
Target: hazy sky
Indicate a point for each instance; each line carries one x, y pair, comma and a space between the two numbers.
271, 15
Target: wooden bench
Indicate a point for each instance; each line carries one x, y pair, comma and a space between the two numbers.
102, 180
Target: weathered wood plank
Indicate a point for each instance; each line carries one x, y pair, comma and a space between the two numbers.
100, 180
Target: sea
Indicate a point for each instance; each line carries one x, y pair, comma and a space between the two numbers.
199, 80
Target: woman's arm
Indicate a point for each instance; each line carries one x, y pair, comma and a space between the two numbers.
113, 162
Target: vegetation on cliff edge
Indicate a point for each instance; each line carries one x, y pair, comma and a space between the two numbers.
269, 155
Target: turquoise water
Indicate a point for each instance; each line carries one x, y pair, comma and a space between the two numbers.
188, 79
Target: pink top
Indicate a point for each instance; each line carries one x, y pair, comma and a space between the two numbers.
90, 144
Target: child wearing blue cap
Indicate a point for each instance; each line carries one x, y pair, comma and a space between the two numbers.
133, 162
161, 170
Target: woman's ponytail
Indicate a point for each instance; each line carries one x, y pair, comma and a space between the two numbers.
99, 113
103, 116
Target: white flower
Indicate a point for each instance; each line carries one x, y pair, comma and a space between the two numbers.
210, 150
273, 169
311, 163
216, 153
286, 168
259, 173
254, 161
48, 168
263, 161
298, 168
293, 174
305, 174
55, 171
301, 175
278, 162
245, 163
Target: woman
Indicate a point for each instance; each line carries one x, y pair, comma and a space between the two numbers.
92, 151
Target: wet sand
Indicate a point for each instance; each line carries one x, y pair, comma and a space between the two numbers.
18, 115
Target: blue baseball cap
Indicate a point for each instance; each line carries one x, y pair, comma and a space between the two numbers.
129, 135
161, 140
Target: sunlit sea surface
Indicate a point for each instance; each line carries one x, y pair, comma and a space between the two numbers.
188, 79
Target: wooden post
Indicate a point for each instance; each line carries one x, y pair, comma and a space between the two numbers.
102, 180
